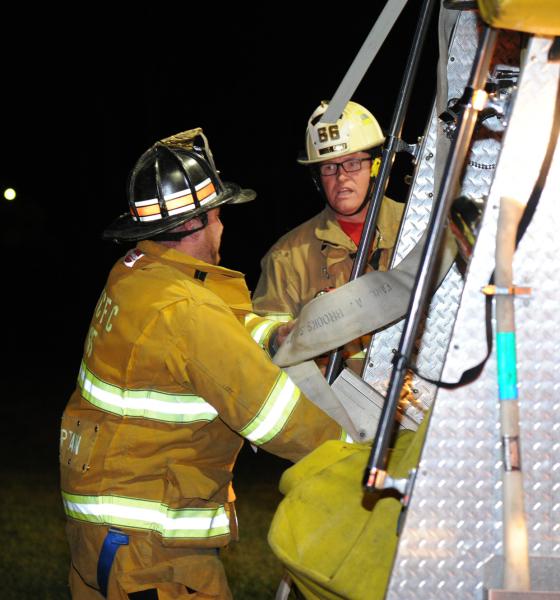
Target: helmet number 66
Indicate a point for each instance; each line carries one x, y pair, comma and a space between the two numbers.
328, 133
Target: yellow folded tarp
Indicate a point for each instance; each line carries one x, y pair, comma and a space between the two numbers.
541, 17
334, 541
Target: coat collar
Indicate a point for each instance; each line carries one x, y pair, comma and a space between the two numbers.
229, 285
184, 262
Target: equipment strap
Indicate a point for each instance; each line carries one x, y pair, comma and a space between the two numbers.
363, 60
113, 540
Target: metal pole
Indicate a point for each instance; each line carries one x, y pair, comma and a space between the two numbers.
473, 100
516, 544
389, 149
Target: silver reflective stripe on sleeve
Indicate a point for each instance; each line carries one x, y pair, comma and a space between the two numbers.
276, 317
274, 413
195, 523
249, 317
279, 317
145, 404
261, 328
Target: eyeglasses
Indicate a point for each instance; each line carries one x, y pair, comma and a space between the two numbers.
350, 166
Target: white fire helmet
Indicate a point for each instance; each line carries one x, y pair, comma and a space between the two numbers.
355, 130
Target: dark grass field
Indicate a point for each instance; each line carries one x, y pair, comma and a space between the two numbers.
34, 555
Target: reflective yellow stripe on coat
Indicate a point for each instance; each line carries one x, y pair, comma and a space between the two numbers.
147, 404
259, 329
274, 413
194, 523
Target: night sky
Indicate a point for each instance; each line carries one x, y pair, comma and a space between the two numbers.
80, 110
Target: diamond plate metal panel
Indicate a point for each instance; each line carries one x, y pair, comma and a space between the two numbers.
440, 315
454, 522
432, 346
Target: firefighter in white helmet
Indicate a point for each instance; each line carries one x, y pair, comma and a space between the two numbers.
170, 384
317, 256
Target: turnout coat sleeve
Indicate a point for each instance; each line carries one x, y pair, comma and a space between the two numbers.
219, 360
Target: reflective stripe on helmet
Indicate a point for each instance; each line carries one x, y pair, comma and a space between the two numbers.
176, 203
204, 190
274, 413
146, 404
194, 523
148, 210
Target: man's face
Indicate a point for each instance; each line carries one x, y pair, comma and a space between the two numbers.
345, 192
211, 237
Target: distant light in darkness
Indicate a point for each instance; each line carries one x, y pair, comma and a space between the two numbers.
9, 194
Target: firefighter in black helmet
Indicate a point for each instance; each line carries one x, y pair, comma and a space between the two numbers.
171, 383
174, 181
